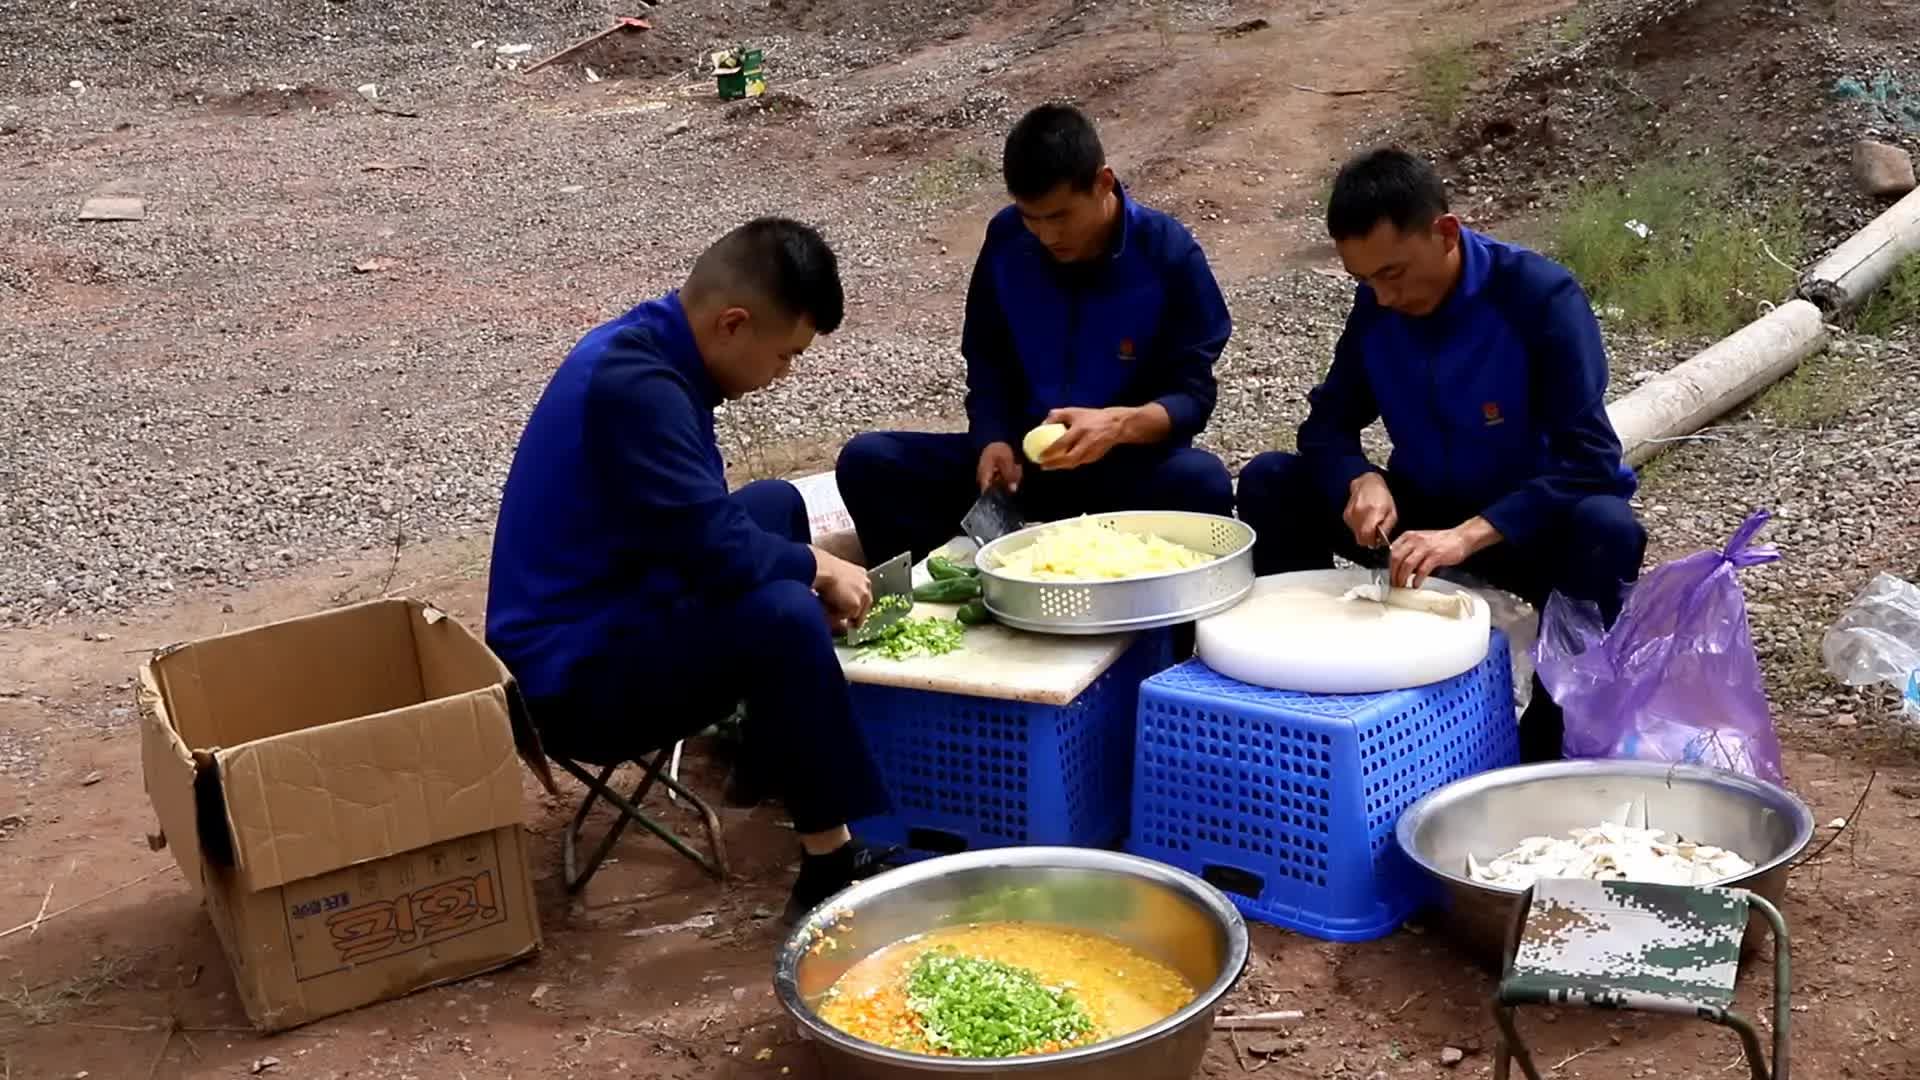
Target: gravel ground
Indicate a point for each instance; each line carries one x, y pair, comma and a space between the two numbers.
1745, 87
215, 394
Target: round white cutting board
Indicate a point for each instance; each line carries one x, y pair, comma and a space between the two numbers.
1294, 632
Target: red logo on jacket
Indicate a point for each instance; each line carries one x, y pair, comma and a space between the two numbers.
1126, 348
1491, 411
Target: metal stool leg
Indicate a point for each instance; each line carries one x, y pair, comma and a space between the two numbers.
1749, 1042
1782, 1001
1510, 1047
576, 875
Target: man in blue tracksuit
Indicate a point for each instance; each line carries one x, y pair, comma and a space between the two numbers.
1085, 309
1485, 362
636, 601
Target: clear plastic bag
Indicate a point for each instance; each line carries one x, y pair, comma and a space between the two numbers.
1877, 640
1676, 678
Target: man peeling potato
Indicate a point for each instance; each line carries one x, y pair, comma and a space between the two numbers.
1092, 327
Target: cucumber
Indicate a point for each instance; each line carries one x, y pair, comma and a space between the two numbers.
945, 569
949, 591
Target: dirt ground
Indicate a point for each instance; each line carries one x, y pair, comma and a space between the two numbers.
100, 989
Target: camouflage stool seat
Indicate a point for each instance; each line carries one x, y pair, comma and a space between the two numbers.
1631, 945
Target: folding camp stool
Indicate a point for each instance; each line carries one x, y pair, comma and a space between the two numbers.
653, 770
1632, 945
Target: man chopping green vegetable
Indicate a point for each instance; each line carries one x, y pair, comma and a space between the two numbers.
637, 601
1092, 326
1485, 362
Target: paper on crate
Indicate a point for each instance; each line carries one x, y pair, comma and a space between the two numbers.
826, 511
343, 791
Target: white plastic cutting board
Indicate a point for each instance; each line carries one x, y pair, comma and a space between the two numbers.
996, 662
1294, 632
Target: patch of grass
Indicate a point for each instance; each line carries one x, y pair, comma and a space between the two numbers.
949, 178
46, 1004
1571, 29
1440, 77
1895, 304
1703, 267
1208, 117
1821, 390
1658, 474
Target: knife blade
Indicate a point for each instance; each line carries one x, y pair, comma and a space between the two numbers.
1383, 574
992, 517
891, 578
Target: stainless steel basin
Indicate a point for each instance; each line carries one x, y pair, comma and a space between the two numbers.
1166, 914
1490, 813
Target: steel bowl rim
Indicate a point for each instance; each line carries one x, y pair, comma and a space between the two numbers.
1121, 626
984, 554
1779, 796
786, 964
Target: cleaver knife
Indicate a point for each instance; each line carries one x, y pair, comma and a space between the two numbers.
891, 578
991, 518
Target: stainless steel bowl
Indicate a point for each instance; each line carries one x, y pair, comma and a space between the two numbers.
1124, 604
1492, 812
1166, 914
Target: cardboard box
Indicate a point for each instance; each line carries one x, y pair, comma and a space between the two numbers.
344, 792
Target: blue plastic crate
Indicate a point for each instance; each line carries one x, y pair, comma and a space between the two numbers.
970, 772
1287, 802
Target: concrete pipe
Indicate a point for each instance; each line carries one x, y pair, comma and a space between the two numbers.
1693, 394
1845, 278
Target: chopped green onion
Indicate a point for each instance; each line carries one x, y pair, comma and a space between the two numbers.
911, 637
978, 1008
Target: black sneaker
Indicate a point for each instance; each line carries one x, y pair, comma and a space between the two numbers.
821, 876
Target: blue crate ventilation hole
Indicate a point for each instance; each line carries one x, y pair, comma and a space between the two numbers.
1287, 802
970, 772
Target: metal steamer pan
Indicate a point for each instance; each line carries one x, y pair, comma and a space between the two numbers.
1125, 604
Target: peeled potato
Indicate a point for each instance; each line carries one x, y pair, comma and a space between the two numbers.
1040, 438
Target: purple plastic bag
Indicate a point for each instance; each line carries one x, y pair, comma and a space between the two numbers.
1676, 678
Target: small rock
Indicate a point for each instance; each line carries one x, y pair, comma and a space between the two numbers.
370, 91
680, 127
1837, 824
91, 778
104, 208
1452, 1056
265, 1064
1882, 171
538, 999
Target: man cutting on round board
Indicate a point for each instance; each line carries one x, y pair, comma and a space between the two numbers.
637, 601
1485, 362
1085, 309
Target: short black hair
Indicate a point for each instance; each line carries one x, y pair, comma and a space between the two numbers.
778, 261
1384, 184
1053, 144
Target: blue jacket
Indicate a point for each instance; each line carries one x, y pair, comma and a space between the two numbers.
1143, 323
616, 506
1495, 403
